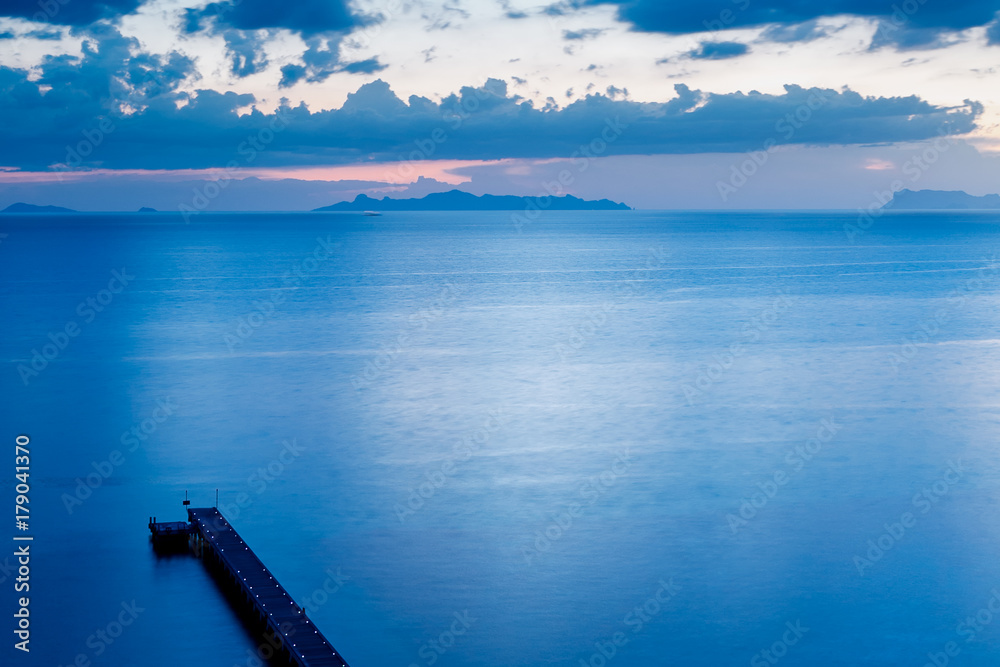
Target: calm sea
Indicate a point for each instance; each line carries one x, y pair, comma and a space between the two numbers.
626, 438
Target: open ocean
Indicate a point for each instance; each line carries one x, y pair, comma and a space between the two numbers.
623, 438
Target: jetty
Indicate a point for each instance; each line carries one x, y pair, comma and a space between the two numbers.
251, 587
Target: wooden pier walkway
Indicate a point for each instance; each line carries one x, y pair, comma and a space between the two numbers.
235, 563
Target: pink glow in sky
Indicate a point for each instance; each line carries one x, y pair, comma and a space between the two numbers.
396, 173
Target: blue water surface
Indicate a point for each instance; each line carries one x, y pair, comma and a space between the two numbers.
633, 438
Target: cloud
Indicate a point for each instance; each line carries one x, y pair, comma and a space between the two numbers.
915, 24
321, 60
687, 16
245, 50
377, 98
111, 77
291, 75
112, 72
905, 38
444, 16
806, 31
561, 8
44, 34
718, 50
588, 33
247, 24
367, 66
993, 33
308, 17
510, 12
158, 126
67, 12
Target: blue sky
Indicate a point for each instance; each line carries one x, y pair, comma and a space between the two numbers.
657, 104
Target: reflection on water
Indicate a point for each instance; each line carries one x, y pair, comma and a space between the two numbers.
668, 438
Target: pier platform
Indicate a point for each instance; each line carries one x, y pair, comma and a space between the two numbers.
293, 637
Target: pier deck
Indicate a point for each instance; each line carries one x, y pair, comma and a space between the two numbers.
301, 642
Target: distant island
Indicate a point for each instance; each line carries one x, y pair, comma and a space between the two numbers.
21, 207
456, 200
146, 209
940, 200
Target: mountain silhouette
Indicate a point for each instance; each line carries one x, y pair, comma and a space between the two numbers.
456, 200
21, 207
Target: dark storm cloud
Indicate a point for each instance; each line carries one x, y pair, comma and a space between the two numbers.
157, 126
